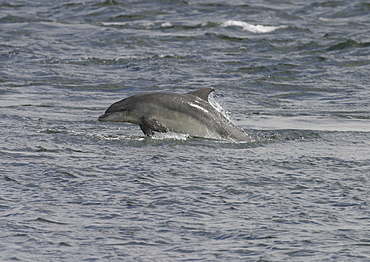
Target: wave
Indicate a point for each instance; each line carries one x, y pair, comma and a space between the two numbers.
250, 27
150, 25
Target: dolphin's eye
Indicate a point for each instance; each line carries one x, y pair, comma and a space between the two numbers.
122, 109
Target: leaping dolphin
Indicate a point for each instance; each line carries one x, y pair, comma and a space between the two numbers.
189, 113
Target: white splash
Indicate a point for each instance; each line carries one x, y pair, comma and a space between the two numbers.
250, 27
170, 135
218, 106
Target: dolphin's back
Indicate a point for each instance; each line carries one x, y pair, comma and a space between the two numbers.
190, 114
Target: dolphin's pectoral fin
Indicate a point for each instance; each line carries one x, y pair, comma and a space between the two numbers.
152, 124
146, 130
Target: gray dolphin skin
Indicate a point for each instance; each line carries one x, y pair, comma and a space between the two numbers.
189, 113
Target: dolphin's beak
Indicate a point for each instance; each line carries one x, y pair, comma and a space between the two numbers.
112, 117
103, 117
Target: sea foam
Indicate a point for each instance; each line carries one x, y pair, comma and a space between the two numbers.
250, 27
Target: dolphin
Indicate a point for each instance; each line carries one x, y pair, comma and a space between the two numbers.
189, 113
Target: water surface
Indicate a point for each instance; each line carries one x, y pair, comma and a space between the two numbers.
293, 75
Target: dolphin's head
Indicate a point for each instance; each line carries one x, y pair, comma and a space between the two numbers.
117, 112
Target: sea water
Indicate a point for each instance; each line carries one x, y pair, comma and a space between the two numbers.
294, 75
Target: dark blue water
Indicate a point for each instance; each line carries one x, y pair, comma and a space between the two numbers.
294, 75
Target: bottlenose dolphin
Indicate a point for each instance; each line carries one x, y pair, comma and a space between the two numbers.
189, 113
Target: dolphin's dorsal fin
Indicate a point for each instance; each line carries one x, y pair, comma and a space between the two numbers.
202, 93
